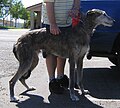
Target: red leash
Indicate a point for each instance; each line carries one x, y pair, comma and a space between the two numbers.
75, 20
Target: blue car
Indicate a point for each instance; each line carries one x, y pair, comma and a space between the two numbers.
106, 40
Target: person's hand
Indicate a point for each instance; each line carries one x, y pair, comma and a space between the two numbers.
54, 29
74, 12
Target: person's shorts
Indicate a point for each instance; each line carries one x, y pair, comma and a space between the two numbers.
44, 53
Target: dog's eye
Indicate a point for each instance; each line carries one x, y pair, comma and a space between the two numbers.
104, 13
90, 13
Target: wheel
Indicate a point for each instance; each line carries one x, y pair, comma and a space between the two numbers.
89, 56
116, 51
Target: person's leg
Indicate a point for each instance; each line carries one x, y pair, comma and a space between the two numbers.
54, 85
60, 67
63, 79
51, 63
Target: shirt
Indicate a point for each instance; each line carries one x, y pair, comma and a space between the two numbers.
61, 7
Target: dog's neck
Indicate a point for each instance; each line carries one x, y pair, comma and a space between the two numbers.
89, 25
86, 25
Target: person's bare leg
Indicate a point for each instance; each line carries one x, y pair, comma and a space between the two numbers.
54, 85
60, 66
51, 63
63, 79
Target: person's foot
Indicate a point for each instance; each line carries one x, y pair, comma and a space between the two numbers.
64, 82
55, 87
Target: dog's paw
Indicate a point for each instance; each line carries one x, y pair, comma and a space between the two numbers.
14, 99
31, 88
74, 98
85, 92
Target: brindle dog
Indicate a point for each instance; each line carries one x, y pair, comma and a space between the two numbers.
72, 44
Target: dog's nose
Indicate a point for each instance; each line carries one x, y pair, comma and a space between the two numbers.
113, 20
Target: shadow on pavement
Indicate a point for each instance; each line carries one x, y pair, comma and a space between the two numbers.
56, 101
65, 102
102, 83
34, 101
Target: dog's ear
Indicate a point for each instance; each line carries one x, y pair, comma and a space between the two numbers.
95, 12
90, 12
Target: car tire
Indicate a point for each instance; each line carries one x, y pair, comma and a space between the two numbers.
116, 52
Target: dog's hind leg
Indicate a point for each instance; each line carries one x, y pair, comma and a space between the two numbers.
24, 77
80, 76
72, 80
24, 66
21, 70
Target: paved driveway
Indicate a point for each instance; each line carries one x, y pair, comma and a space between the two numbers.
100, 78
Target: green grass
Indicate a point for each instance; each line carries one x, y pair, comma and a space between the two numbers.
7, 27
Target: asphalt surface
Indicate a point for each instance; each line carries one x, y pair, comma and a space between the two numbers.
100, 78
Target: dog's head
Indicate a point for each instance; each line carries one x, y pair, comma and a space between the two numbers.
99, 17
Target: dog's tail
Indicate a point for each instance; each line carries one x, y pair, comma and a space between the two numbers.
14, 51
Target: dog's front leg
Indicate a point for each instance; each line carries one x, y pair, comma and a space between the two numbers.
80, 76
72, 80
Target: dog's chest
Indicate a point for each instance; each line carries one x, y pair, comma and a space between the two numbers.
80, 50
